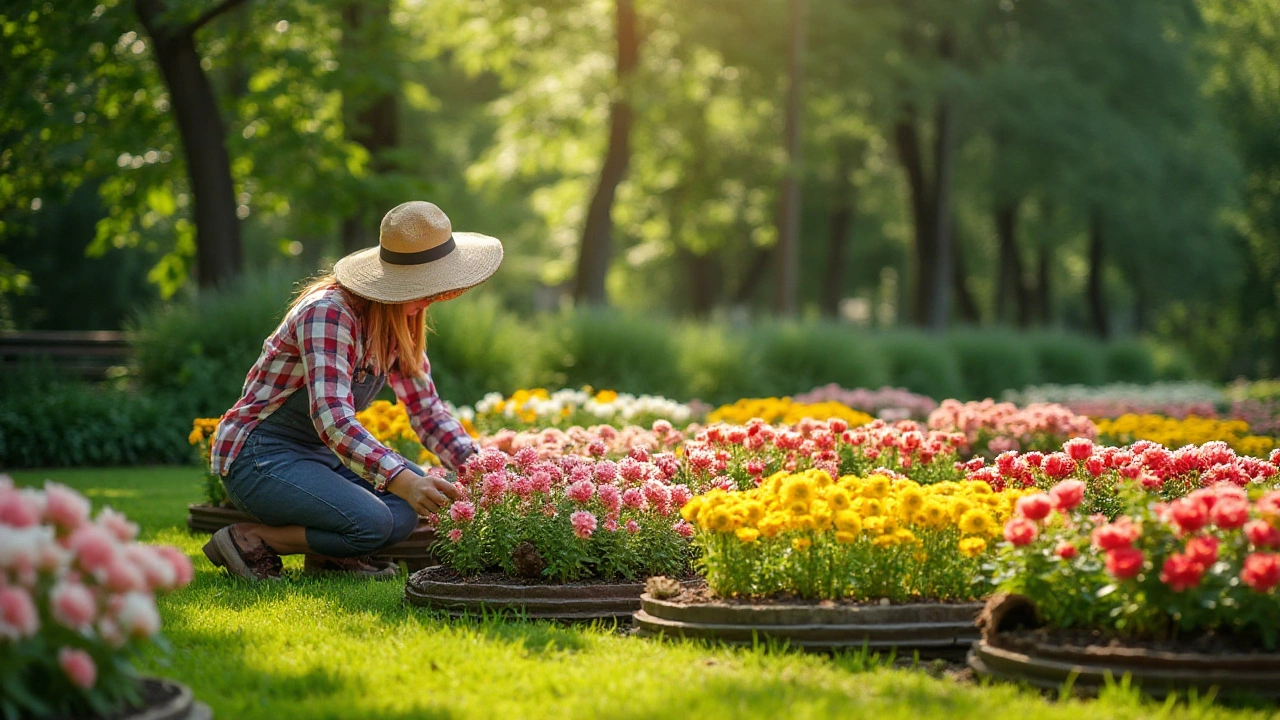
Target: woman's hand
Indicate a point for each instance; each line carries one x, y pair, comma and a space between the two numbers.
425, 494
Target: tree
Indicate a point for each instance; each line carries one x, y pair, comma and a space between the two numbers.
789, 215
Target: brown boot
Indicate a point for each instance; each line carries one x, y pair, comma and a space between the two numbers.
315, 564
257, 563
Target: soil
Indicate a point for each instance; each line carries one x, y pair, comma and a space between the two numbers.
1210, 643
152, 693
700, 594
447, 575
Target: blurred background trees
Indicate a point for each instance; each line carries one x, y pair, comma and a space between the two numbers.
1110, 168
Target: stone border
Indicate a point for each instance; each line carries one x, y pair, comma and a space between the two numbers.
569, 602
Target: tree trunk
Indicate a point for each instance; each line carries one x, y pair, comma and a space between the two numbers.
195, 107
1044, 290
1098, 311
373, 123
838, 238
704, 281
593, 254
943, 164
789, 230
907, 143
1013, 284
960, 281
754, 276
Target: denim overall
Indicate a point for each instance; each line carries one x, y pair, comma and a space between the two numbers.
286, 475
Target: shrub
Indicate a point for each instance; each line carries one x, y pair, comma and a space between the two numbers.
991, 361
78, 603
1129, 361
1067, 359
717, 362
795, 358
922, 364
477, 348
607, 349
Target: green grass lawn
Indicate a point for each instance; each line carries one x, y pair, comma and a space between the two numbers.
342, 648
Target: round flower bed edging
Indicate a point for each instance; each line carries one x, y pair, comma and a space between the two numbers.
1157, 673
163, 699
414, 551
568, 602
932, 629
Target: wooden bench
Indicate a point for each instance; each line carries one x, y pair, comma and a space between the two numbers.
85, 354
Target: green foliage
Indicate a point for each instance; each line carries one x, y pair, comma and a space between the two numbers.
796, 358
1065, 359
718, 362
477, 348
923, 364
992, 361
607, 349
1129, 361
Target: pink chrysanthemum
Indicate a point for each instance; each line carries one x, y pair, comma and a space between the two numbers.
584, 524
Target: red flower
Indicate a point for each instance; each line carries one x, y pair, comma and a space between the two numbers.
1124, 562
1066, 550
1203, 550
1095, 465
1020, 531
1079, 448
1230, 513
1059, 465
1119, 534
1261, 571
1180, 572
1035, 507
1067, 495
1188, 514
1262, 535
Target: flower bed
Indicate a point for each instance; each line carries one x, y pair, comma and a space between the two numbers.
826, 563
597, 441
785, 411
993, 428
77, 602
538, 408
1151, 592
887, 403
1191, 430
573, 522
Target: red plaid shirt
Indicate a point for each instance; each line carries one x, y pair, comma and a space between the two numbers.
317, 349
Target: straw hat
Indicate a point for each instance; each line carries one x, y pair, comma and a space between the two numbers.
418, 256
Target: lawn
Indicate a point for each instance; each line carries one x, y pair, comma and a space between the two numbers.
341, 648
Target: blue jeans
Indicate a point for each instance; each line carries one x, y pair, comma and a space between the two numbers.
289, 483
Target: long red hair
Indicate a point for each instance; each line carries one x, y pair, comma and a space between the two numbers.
391, 338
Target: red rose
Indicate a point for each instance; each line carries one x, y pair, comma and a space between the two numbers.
1020, 531
1035, 507
1189, 515
1119, 534
1203, 550
1180, 572
1066, 550
1067, 495
1261, 571
1262, 535
1058, 465
1230, 513
1124, 562
1079, 448
1095, 465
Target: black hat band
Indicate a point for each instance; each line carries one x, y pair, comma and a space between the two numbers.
417, 258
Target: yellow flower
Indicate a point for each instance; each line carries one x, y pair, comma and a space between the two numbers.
972, 546
911, 501
691, 508
876, 486
720, 520
838, 497
976, 522
801, 544
869, 507
935, 515
754, 510
798, 490
846, 538
849, 522
747, 535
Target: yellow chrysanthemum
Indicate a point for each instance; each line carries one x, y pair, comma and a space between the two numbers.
972, 546
799, 489
801, 544
976, 522
845, 537
747, 535
838, 497
848, 521
876, 486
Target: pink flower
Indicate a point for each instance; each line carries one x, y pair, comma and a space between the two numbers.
1020, 531
661, 427
680, 495
1230, 513
455, 535
541, 481
123, 576
1067, 495
597, 448
684, 529
581, 491
584, 523
94, 546
493, 486
1261, 571
606, 471
72, 604
1035, 507
117, 524
18, 616
492, 461
658, 495
462, 512
65, 507
633, 498
633, 526
610, 497
17, 509
1124, 562
181, 564
138, 616
78, 666
1120, 534
525, 458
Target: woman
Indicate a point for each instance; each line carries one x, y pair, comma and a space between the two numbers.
291, 452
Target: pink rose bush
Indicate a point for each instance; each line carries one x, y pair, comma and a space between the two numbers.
77, 599
596, 441
1106, 476
1208, 562
992, 428
567, 517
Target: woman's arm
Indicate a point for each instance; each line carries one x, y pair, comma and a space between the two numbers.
325, 335
439, 431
